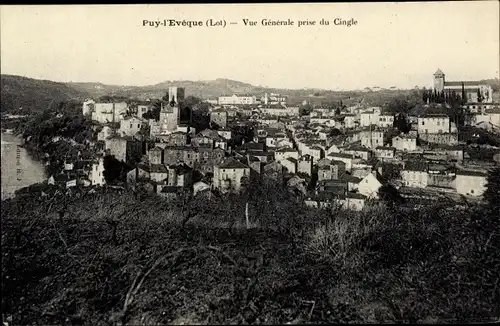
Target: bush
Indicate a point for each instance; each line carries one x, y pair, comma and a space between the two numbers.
120, 257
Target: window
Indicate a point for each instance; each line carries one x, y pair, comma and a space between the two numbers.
130, 126
423, 123
438, 123
472, 191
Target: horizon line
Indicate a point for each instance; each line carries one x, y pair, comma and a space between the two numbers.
239, 81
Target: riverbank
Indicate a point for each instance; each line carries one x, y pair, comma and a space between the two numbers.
18, 169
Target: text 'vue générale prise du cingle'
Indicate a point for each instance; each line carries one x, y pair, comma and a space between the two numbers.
211, 22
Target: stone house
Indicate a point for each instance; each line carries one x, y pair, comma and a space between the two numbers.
284, 153
130, 126
404, 143
348, 159
158, 172
155, 155
385, 120
305, 164
177, 138
414, 174
230, 175
372, 138
433, 124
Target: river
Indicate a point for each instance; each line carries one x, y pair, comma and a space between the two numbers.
18, 168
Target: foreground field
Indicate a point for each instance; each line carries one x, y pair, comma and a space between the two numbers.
116, 259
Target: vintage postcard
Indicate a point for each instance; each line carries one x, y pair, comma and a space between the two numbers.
250, 163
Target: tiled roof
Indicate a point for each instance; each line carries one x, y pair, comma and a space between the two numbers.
158, 168
341, 155
355, 195
416, 165
350, 178
438, 72
465, 83
385, 148
472, 173
232, 163
286, 150
434, 115
155, 149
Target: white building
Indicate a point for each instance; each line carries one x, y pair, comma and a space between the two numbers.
405, 143
109, 112
284, 153
385, 120
470, 183
237, 100
434, 124
370, 185
97, 173
130, 126
372, 138
280, 111
368, 118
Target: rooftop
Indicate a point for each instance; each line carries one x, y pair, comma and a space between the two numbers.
158, 168
460, 83
232, 163
341, 155
472, 173
285, 150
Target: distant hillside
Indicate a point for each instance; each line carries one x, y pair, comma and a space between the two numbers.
34, 94
202, 89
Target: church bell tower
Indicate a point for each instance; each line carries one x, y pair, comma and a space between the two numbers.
439, 81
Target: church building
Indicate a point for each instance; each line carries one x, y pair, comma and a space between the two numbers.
474, 91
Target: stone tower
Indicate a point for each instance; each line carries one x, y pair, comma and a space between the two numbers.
169, 118
439, 81
176, 94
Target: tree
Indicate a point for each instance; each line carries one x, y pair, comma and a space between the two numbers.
390, 195
335, 132
401, 124
154, 113
305, 109
113, 169
492, 193
464, 99
200, 118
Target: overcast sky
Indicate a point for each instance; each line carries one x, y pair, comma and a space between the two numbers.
393, 44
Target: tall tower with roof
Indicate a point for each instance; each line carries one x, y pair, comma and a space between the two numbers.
439, 81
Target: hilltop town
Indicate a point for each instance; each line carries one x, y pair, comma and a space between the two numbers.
351, 156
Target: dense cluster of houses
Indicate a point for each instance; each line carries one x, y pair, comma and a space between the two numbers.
331, 156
